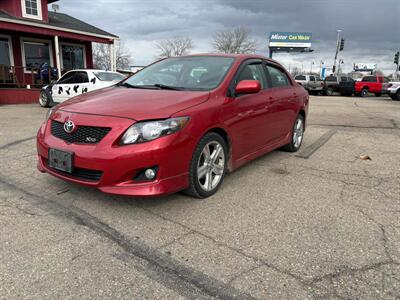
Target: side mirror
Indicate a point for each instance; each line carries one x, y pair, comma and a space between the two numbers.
248, 87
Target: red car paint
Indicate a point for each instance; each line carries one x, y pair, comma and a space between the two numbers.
373, 84
254, 124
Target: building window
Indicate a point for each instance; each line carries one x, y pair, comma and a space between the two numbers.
32, 9
73, 57
36, 54
5, 58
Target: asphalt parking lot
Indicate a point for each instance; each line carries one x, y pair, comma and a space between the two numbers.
322, 223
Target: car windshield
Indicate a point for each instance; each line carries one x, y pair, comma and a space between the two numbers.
195, 73
108, 76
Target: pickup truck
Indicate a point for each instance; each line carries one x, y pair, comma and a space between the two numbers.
312, 83
393, 89
340, 84
370, 84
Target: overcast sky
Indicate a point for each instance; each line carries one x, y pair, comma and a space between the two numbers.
371, 27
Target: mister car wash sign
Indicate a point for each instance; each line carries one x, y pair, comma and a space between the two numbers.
290, 39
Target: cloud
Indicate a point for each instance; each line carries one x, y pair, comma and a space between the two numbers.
370, 27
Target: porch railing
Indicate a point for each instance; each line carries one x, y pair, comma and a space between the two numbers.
24, 77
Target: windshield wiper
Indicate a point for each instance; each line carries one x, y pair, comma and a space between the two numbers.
168, 87
128, 85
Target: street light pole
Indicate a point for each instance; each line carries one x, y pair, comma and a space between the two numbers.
337, 50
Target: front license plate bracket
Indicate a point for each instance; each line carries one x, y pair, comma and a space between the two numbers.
61, 160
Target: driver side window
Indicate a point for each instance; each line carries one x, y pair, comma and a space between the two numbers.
67, 78
253, 72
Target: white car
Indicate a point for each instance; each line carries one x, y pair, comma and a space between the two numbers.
392, 89
77, 82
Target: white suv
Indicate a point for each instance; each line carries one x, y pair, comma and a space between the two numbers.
393, 89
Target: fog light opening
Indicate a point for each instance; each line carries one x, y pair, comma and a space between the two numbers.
147, 174
150, 174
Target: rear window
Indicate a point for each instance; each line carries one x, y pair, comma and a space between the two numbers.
369, 79
300, 77
343, 78
331, 78
108, 76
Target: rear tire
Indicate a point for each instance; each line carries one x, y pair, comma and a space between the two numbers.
208, 167
297, 135
364, 92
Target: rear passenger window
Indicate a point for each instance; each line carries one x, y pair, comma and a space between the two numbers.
312, 78
253, 72
81, 77
278, 77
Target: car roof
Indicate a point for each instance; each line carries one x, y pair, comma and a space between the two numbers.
93, 70
233, 55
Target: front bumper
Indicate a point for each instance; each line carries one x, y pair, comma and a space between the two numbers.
119, 165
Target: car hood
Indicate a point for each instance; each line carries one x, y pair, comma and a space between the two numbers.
137, 104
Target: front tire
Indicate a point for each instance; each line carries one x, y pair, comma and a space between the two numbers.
297, 135
44, 99
329, 91
395, 96
208, 166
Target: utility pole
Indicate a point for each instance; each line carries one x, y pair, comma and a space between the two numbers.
311, 67
396, 61
337, 50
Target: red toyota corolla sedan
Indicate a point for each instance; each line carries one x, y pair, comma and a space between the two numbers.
179, 124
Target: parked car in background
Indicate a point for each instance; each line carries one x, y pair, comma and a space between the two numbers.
370, 84
338, 84
392, 89
169, 128
347, 86
312, 83
77, 82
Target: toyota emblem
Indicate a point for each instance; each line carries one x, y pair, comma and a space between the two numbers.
69, 126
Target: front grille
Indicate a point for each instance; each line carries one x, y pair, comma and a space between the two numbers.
79, 173
82, 135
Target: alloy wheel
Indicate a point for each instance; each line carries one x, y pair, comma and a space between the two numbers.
43, 99
211, 166
298, 133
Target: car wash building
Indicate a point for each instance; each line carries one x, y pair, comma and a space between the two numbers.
37, 46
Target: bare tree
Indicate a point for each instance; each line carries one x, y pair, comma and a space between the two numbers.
235, 41
102, 60
177, 46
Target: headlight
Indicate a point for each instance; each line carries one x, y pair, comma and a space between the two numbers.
49, 113
147, 131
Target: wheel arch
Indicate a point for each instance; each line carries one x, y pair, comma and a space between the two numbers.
227, 138
302, 112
